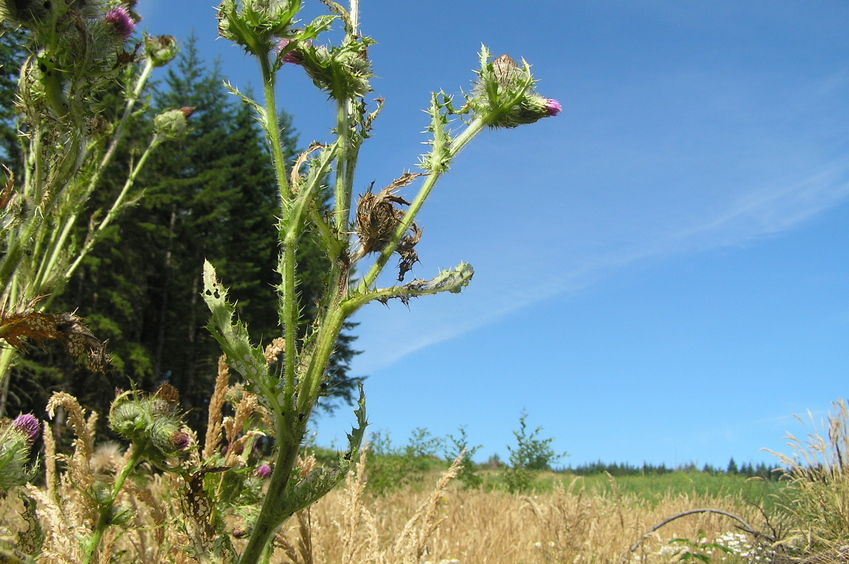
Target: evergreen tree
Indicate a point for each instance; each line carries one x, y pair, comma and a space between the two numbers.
732, 467
12, 56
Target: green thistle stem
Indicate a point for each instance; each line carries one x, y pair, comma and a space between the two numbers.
272, 127
104, 513
272, 515
116, 207
342, 197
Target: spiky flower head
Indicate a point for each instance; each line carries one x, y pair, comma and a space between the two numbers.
27, 424
15, 447
182, 441
171, 124
163, 432
504, 95
344, 71
120, 20
151, 423
553, 107
253, 23
160, 49
263, 471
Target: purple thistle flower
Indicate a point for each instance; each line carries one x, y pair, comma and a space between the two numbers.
120, 20
553, 107
264, 471
28, 425
292, 56
181, 440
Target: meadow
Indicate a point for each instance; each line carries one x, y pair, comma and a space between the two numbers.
567, 518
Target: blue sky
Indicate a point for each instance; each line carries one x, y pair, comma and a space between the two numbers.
661, 270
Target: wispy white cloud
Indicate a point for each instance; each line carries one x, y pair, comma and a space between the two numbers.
767, 211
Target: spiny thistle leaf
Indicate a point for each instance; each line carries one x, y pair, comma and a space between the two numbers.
453, 281
244, 358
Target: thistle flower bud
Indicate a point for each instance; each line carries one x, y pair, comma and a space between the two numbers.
129, 419
160, 49
15, 446
162, 433
343, 71
263, 471
253, 24
120, 21
28, 425
150, 423
504, 94
170, 124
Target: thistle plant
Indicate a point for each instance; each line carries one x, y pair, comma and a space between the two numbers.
78, 52
16, 440
362, 236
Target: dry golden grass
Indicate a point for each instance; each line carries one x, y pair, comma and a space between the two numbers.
449, 525
475, 527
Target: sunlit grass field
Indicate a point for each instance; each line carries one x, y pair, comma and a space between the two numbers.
565, 519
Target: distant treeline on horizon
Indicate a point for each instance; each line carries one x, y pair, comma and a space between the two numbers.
616, 469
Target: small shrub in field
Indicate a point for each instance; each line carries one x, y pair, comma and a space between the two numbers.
468, 469
391, 468
531, 454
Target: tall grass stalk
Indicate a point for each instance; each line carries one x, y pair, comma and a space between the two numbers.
816, 499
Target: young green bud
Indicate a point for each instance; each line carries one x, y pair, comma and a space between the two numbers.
343, 72
171, 124
163, 433
255, 23
151, 423
160, 49
129, 419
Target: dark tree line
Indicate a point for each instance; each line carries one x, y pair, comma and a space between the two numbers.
211, 195
616, 469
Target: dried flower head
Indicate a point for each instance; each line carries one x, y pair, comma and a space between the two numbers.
120, 20
378, 218
65, 327
28, 425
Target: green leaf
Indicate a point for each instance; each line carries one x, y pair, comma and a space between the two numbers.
247, 360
